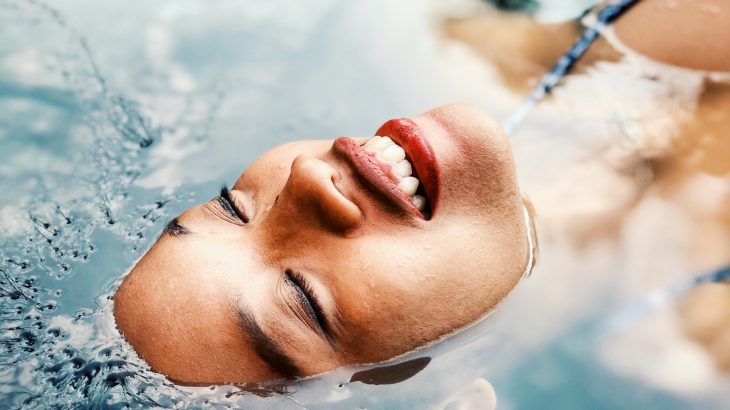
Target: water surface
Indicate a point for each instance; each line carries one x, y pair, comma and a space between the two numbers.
117, 115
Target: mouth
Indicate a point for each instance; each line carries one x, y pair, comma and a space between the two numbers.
398, 164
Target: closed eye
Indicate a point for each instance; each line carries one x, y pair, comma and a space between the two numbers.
308, 300
229, 205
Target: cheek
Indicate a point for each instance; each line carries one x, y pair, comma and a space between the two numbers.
264, 180
271, 170
459, 267
390, 277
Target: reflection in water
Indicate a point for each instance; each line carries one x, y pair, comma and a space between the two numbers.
391, 374
106, 110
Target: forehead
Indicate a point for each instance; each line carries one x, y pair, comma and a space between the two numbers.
183, 325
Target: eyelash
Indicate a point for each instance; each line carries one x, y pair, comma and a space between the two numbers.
302, 285
227, 203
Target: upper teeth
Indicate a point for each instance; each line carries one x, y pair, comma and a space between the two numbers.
394, 157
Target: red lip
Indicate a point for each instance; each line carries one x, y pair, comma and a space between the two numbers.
409, 136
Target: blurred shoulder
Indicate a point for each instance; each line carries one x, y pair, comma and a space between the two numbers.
685, 33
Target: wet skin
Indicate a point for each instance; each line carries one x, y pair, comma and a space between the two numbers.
311, 268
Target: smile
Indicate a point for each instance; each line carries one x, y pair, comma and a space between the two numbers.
394, 163
398, 164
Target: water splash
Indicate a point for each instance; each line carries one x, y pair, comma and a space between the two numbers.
42, 349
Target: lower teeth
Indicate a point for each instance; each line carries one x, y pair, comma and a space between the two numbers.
419, 202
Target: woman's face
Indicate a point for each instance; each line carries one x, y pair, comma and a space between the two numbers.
320, 256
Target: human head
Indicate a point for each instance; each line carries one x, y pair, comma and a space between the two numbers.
317, 260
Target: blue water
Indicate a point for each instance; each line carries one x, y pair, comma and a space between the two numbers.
117, 115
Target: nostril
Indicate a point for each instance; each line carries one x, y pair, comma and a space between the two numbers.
315, 187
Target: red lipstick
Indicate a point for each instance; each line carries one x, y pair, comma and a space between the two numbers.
411, 138
369, 170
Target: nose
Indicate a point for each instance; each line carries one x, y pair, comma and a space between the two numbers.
310, 193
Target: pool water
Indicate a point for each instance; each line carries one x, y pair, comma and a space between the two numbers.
117, 115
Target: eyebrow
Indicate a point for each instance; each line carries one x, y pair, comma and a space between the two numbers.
265, 346
173, 228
